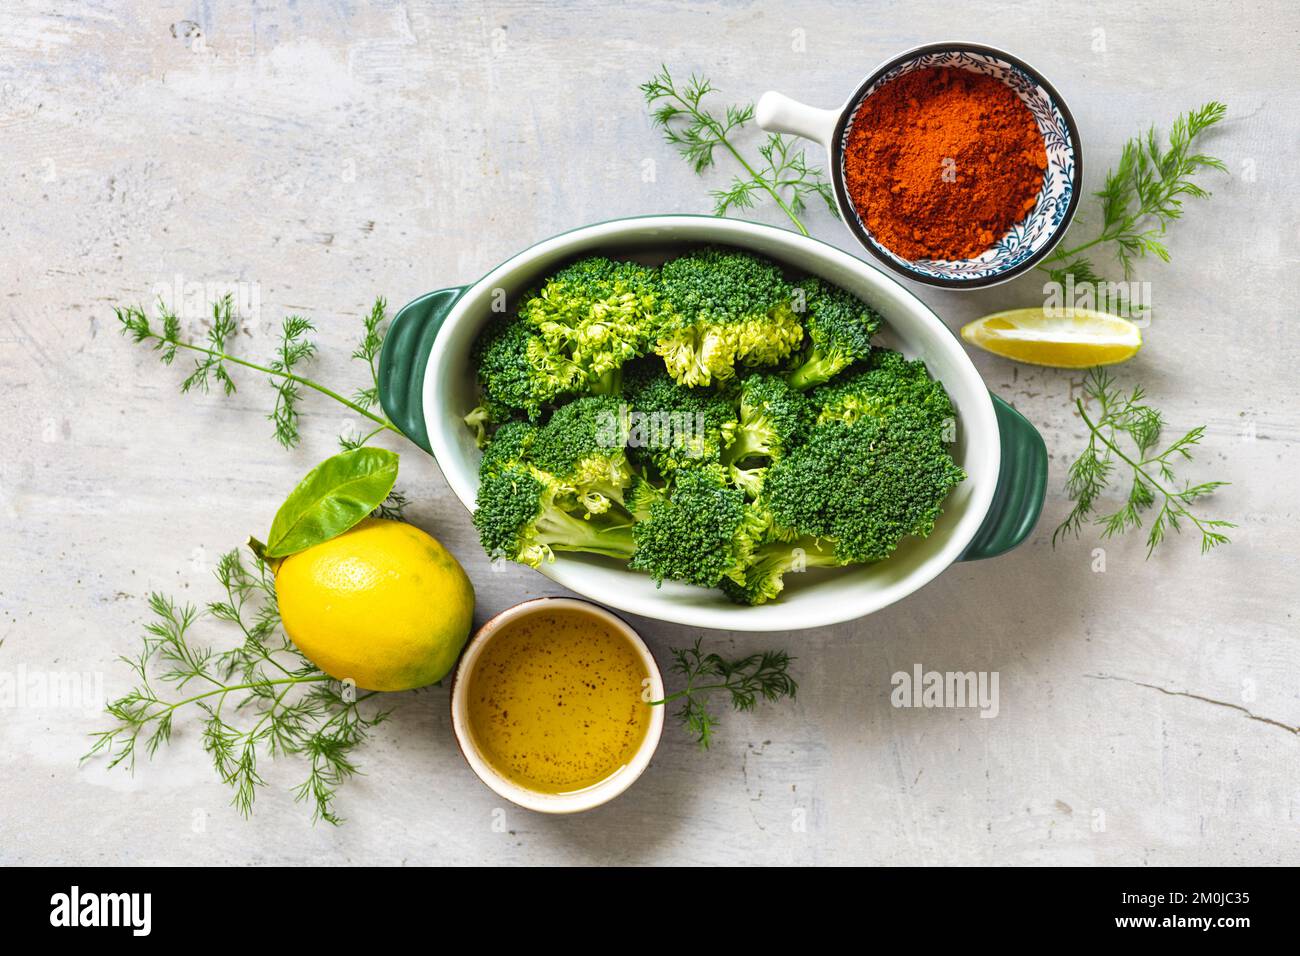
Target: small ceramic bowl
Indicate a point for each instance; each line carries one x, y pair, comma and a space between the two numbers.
593, 796
1029, 240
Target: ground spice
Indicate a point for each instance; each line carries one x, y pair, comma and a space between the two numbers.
941, 162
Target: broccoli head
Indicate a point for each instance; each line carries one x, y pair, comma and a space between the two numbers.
773, 418
582, 446
508, 446
764, 577
517, 372
698, 534
721, 308
840, 326
886, 380
867, 485
519, 516
595, 313
672, 426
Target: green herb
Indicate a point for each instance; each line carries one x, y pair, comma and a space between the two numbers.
261, 698
294, 348
1151, 469
333, 497
1143, 196
697, 132
372, 342
392, 508
763, 675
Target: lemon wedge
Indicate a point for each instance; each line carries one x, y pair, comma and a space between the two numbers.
1079, 338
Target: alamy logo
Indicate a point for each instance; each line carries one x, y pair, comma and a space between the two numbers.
102, 909
923, 688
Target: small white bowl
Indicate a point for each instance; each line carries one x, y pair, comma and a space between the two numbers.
1027, 242
593, 796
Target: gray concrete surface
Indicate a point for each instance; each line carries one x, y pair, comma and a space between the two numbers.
321, 154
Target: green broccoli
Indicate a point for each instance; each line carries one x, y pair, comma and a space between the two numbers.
886, 380
508, 446
698, 534
721, 308
867, 485
840, 326
641, 496
583, 446
518, 516
672, 426
769, 563
517, 372
773, 418
595, 313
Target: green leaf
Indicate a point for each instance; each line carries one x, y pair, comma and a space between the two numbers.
334, 496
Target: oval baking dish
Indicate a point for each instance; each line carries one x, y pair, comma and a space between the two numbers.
427, 385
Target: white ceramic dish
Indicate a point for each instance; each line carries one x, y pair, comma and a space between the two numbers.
576, 802
427, 386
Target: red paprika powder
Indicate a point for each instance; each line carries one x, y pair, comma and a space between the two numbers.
941, 162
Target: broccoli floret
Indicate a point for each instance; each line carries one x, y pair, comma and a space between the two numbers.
749, 480
509, 445
768, 565
518, 372
595, 313
840, 326
698, 535
720, 308
583, 448
886, 380
773, 418
673, 426
866, 485
518, 517
641, 496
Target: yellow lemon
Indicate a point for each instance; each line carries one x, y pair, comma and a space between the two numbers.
1079, 338
383, 604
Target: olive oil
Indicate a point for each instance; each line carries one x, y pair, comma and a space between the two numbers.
555, 701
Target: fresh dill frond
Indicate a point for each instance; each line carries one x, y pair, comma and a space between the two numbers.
294, 347
212, 363
393, 507
765, 675
1142, 196
1124, 421
698, 133
372, 343
259, 699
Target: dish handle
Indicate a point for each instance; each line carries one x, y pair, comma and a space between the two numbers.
1022, 485
777, 113
405, 357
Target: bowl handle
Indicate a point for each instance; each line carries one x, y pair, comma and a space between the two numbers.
405, 357
1022, 485
777, 113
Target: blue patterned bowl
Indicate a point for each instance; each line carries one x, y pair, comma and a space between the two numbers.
1029, 240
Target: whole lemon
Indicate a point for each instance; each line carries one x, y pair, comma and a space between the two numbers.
383, 604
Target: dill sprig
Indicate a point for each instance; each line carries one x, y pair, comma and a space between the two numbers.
698, 133
393, 507
1152, 482
261, 698
764, 675
294, 347
214, 356
1142, 196
372, 342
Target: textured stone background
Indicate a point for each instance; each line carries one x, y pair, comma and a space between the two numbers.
324, 153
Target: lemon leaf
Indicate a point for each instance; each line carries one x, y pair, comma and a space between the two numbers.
333, 497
